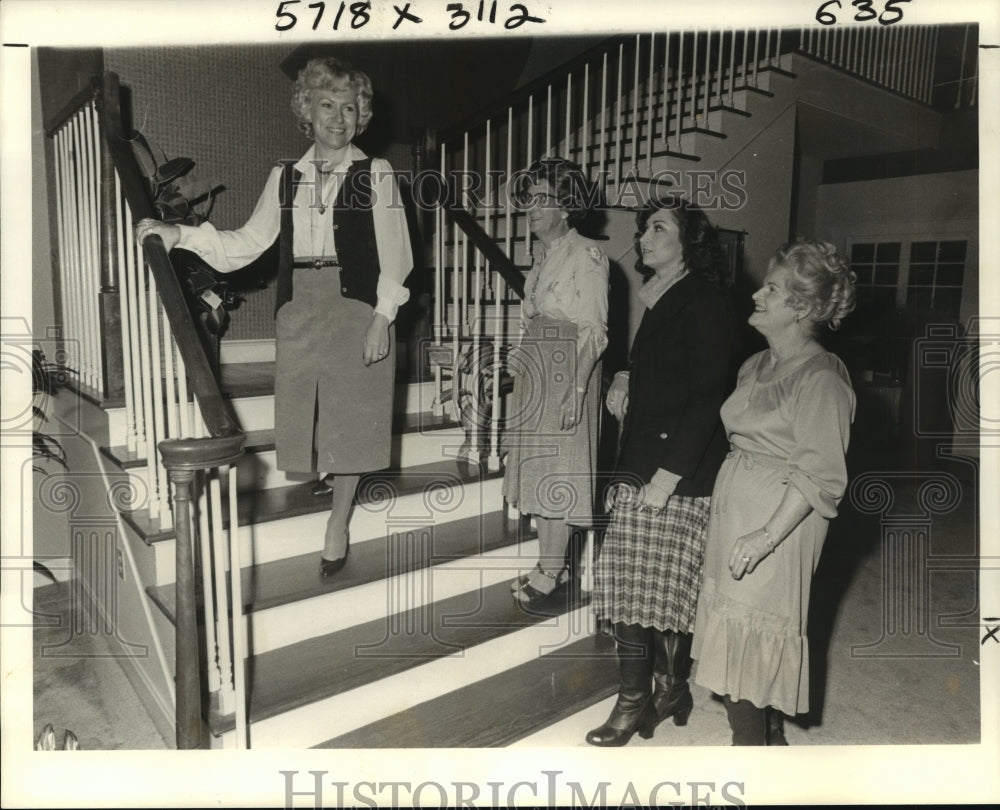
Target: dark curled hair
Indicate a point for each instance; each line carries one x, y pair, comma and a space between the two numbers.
699, 238
573, 191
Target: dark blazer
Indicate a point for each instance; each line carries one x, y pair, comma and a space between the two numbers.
680, 372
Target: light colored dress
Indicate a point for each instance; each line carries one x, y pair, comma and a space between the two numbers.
332, 413
750, 634
550, 471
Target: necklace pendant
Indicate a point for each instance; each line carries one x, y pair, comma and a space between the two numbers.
322, 210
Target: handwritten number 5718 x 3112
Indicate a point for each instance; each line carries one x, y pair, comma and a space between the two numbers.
358, 14
865, 11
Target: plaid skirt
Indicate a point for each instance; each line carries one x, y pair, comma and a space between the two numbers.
650, 566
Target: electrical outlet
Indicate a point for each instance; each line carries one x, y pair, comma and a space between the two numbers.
121, 562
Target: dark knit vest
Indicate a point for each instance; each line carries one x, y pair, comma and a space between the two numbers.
354, 227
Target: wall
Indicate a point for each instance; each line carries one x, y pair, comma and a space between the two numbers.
227, 108
927, 205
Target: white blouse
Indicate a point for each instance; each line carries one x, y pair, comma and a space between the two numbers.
312, 220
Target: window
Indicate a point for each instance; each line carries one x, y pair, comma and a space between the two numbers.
876, 265
937, 270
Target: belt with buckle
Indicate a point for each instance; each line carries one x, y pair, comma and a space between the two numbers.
316, 263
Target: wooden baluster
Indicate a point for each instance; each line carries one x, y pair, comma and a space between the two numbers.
636, 134
439, 289
122, 239
135, 281
708, 73
159, 429
568, 149
679, 89
732, 69
548, 122
718, 68
649, 106
694, 80
604, 121
618, 119
666, 91
585, 129
239, 622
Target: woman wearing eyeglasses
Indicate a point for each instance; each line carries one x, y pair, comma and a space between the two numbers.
552, 421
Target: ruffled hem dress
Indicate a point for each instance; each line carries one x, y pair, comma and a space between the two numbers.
750, 634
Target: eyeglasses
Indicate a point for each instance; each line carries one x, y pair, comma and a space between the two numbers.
525, 200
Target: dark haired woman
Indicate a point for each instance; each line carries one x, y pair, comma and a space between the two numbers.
552, 421
344, 254
672, 445
788, 421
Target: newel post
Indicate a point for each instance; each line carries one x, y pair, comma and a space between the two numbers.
182, 459
187, 667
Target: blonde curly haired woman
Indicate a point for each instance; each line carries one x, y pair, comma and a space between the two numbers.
344, 252
788, 423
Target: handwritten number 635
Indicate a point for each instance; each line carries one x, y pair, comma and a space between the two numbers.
865, 12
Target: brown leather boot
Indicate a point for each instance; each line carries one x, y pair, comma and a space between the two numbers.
633, 712
671, 668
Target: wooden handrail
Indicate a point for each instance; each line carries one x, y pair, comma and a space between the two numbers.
498, 260
81, 97
218, 419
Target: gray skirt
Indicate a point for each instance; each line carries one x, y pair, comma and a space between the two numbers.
550, 471
332, 413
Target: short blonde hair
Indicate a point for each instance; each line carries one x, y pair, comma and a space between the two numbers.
820, 281
330, 73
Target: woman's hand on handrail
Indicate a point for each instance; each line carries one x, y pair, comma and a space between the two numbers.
377, 339
170, 234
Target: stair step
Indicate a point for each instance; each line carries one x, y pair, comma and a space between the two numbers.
528, 697
288, 601
268, 506
312, 691
294, 579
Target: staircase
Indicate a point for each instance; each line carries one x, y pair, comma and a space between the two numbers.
417, 641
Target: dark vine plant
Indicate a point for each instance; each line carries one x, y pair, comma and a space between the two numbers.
182, 198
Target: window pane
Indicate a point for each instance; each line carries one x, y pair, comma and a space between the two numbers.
950, 274
886, 273
862, 253
884, 299
952, 252
864, 274
919, 298
888, 252
921, 275
923, 251
948, 303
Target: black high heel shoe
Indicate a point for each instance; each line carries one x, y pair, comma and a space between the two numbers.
327, 568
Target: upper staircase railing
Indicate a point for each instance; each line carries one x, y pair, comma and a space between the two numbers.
128, 332
618, 110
